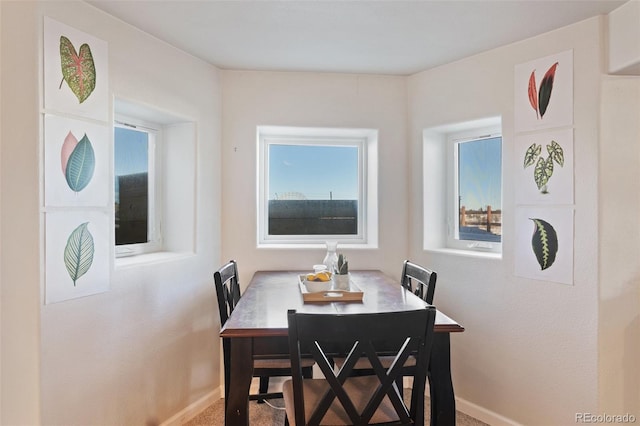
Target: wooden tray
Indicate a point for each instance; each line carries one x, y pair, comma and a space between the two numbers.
354, 294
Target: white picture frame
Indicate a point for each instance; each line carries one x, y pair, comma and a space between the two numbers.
58, 192
58, 95
558, 185
59, 227
559, 269
558, 111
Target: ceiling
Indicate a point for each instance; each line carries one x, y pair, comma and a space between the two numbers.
367, 36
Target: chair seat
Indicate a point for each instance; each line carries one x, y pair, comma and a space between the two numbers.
280, 363
360, 389
364, 364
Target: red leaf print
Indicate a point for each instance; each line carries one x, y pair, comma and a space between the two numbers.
533, 92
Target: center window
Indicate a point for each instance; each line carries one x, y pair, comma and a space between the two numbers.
313, 185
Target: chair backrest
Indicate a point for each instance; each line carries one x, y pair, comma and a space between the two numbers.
370, 335
419, 280
227, 289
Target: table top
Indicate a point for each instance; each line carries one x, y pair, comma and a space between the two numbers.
262, 310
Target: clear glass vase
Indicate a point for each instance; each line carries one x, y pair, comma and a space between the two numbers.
331, 258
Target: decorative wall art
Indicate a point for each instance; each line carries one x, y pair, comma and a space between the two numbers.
544, 93
77, 163
544, 243
75, 72
77, 254
544, 174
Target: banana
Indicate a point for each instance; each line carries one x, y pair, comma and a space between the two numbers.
319, 276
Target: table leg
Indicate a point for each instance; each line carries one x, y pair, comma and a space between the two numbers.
443, 403
241, 371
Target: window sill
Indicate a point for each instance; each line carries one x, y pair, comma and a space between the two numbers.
298, 246
149, 258
467, 253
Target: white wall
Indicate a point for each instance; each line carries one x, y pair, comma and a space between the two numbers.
619, 334
251, 99
624, 39
20, 261
147, 348
529, 352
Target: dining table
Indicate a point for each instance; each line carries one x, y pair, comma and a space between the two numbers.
257, 328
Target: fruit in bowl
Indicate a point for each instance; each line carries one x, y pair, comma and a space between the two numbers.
320, 281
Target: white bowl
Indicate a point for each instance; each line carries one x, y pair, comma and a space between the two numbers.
317, 286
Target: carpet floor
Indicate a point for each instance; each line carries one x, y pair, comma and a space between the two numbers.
266, 415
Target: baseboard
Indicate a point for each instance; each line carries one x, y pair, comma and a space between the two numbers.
193, 409
482, 414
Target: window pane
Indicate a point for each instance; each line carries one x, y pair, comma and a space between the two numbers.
131, 161
313, 190
479, 189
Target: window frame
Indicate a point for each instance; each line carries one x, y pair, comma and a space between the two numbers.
154, 209
453, 213
366, 142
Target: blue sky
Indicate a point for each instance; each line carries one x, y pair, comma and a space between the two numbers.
318, 171
131, 154
131, 151
480, 169
315, 171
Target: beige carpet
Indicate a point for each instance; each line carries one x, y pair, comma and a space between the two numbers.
264, 415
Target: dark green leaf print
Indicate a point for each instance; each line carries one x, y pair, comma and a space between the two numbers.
78, 254
546, 85
532, 153
542, 172
556, 153
544, 243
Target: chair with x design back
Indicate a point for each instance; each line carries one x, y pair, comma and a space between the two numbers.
228, 294
419, 280
342, 399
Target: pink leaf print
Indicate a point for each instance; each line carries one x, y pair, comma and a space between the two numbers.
68, 146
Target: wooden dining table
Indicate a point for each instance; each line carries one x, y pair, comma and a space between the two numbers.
258, 328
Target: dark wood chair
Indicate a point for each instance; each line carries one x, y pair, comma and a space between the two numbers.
228, 293
419, 280
342, 399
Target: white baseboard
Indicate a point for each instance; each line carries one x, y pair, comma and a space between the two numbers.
469, 408
483, 414
193, 409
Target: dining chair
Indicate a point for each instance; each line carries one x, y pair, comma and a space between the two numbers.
342, 399
419, 280
228, 294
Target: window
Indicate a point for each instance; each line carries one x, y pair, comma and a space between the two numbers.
315, 185
462, 188
476, 196
137, 211
155, 165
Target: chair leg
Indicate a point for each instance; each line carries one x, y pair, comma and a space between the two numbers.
400, 385
307, 372
263, 387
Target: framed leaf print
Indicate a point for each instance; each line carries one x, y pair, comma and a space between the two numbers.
77, 254
544, 243
76, 163
544, 167
75, 72
544, 93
